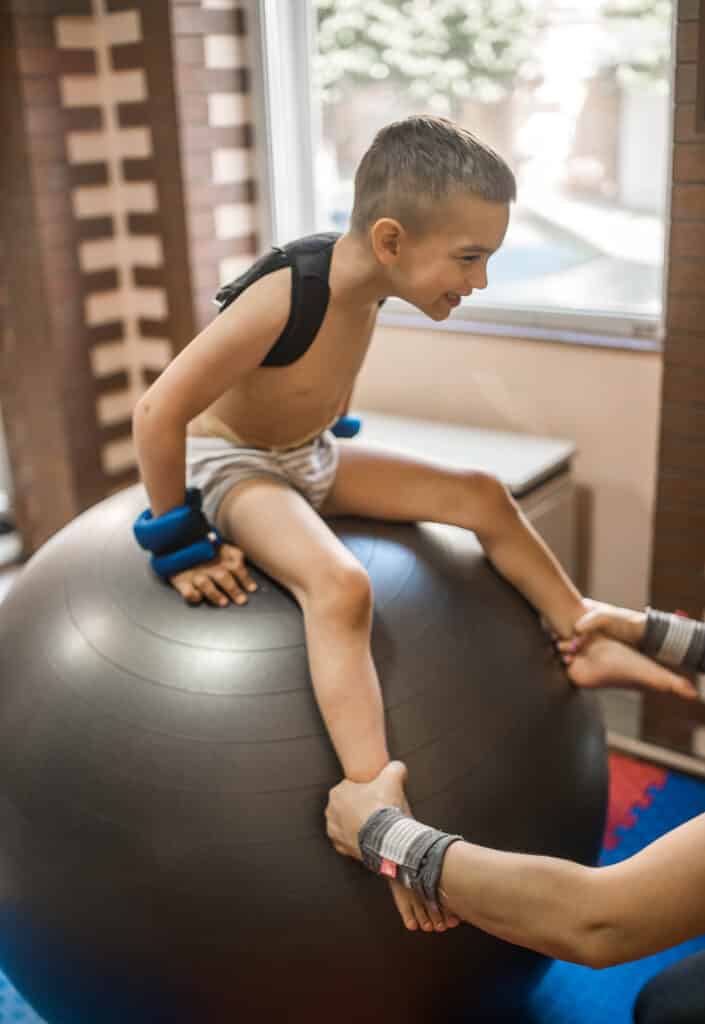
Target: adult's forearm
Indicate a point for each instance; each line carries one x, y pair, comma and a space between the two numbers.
542, 903
594, 916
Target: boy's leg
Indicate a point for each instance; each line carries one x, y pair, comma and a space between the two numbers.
389, 485
285, 536
279, 531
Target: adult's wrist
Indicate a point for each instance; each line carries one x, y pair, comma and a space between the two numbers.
397, 846
674, 640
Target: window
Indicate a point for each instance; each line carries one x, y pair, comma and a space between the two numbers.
574, 93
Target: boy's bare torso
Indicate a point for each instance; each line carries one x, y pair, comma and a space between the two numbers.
281, 406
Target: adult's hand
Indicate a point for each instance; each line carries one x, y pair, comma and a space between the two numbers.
351, 803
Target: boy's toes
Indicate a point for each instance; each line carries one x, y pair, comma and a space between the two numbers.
405, 906
437, 917
684, 688
422, 914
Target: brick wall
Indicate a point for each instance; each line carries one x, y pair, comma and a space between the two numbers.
678, 567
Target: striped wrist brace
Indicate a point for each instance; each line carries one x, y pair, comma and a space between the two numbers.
674, 640
397, 846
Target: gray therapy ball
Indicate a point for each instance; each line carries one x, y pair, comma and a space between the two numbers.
164, 770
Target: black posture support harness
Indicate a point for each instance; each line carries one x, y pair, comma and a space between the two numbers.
309, 259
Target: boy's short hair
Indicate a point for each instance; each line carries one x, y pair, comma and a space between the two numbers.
413, 164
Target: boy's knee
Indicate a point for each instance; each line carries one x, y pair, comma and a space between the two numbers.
342, 589
489, 496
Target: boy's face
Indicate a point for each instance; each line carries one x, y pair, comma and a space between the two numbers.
450, 261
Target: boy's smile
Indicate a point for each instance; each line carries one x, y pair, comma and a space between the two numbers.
450, 261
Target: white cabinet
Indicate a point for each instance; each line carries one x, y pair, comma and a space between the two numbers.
536, 470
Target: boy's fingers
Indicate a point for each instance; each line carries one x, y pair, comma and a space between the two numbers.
208, 589
235, 564
227, 583
188, 592
244, 578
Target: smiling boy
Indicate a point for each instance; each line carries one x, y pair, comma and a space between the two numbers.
245, 409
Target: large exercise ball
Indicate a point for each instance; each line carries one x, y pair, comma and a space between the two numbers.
164, 770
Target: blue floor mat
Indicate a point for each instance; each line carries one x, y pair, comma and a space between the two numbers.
569, 994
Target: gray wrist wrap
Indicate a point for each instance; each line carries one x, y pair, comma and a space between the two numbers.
674, 640
391, 837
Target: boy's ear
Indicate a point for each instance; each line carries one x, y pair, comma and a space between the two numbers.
386, 235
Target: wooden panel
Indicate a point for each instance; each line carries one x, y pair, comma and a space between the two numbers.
678, 564
700, 91
204, 133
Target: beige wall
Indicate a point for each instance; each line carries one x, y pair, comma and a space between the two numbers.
607, 401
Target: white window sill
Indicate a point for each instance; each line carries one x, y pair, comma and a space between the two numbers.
594, 330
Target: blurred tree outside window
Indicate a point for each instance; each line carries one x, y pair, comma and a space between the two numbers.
573, 93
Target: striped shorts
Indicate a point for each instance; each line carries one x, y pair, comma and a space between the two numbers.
214, 465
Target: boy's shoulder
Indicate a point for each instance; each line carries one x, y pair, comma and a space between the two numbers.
309, 259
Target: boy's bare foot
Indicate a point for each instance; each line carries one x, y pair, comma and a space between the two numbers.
417, 914
602, 661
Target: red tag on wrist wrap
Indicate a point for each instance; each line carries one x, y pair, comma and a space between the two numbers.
388, 868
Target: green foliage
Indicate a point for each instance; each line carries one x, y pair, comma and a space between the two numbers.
444, 51
435, 48
651, 58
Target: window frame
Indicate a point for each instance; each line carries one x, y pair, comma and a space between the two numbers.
287, 42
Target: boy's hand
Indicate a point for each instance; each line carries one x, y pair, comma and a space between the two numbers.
602, 661
623, 624
224, 577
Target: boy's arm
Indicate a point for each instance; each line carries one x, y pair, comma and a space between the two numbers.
235, 342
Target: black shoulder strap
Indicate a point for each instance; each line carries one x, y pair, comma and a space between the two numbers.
310, 269
273, 260
309, 259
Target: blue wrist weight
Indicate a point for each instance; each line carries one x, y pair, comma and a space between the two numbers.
177, 528
179, 539
185, 558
